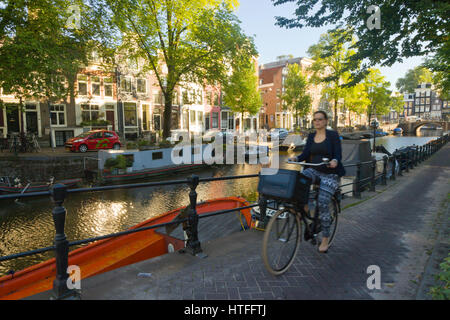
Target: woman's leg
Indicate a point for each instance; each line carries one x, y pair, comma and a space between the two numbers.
328, 186
312, 174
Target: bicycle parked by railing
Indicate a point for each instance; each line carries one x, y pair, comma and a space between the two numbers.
283, 233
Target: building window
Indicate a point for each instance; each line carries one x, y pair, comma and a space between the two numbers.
95, 84
82, 85
141, 85
175, 100
158, 98
125, 84
200, 118
58, 115
108, 85
215, 119
192, 117
224, 120
130, 114
89, 112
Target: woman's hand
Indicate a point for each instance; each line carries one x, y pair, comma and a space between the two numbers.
333, 164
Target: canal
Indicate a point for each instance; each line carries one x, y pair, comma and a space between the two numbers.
28, 224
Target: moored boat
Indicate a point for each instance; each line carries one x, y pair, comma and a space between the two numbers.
398, 130
112, 253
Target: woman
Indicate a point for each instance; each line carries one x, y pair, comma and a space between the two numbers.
323, 144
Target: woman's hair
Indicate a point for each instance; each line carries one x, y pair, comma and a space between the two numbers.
322, 112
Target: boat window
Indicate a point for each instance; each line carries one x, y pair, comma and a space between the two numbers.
157, 155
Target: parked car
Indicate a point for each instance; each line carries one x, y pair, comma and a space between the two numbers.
279, 133
94, 140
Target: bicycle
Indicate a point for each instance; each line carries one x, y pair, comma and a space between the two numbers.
283, 233
34, 144
15, 144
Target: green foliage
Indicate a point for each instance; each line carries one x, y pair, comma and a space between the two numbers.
111, 162
195, 39
93, 123
442, 291
241, 91
118, 162
412, 78
332, 56
440, 65
295, 97
165, 144
39, 55
376, 89
408, 28
131, 145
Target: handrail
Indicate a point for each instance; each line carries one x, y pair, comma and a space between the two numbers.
58, 193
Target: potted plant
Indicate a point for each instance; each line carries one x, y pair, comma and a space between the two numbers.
129, 164
110, 165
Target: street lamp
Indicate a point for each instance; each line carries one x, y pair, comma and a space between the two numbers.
374, 124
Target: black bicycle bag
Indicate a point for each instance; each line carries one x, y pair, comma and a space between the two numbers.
286, 185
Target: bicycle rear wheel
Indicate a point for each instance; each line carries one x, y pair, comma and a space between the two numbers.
281, 241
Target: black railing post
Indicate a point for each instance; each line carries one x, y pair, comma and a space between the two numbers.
407, 161
191, 227
374, 168
383, 177
356, 185
393, 166
60, 288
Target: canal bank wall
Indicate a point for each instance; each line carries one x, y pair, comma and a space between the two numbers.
41, 168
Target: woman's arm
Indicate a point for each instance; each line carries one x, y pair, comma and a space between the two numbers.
337, 148
306, 150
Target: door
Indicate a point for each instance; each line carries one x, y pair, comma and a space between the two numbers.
207, 121
110, 117
12, 118
157, 122
32, 124
61, 137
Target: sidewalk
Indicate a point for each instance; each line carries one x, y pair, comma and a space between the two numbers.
394, 229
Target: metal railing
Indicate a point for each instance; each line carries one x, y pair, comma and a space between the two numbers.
406, 160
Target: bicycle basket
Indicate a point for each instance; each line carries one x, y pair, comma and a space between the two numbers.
285, 185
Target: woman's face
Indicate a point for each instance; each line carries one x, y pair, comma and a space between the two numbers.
319, 121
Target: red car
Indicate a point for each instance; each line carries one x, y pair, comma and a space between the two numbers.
94, 140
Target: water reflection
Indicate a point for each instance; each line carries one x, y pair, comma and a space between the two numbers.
29, 225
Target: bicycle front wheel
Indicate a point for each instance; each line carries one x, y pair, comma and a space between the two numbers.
281, 241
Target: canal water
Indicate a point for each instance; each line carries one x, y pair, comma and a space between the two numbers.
28, 224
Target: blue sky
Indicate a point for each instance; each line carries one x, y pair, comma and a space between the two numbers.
258, 20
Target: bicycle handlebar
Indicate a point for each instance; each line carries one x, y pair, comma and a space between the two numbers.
325, 161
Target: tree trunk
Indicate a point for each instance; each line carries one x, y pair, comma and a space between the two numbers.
167, 117
335, 114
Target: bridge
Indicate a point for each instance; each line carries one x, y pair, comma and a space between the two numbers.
412, 127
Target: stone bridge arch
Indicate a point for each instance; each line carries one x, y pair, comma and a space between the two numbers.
412, 127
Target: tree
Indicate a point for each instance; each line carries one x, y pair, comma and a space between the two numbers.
412, 78
356, 99
378, 94
193, 40
331, 55
407, 28
241, 91
295, 97
440, 65
40, 55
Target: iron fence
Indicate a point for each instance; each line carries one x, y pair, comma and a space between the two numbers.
406, 159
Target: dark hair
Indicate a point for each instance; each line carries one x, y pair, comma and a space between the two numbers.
322, 112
